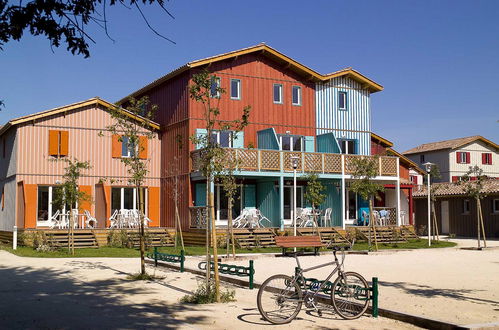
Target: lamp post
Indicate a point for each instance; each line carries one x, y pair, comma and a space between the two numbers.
294, 164
428, 166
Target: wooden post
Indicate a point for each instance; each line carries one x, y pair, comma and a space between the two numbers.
478, 221
481, 221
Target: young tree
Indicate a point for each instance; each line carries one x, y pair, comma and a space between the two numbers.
133, 126
176, 193
434, 174
314, 193
364, 170
472, 183
68, 194
207, 91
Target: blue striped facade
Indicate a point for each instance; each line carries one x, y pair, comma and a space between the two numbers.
352, 123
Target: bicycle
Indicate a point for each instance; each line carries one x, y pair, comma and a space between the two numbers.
280, 297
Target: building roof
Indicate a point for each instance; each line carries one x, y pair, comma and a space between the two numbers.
93, 101
449, 144
271, 53
384, 142
490, 186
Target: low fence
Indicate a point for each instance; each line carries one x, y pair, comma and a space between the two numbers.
234, 270
173, 258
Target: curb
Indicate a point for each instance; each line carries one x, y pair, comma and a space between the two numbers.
419, 321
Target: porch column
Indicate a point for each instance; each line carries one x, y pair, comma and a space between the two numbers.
281, 201
397, 191
343, 201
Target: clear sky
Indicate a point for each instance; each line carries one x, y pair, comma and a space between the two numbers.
438, 60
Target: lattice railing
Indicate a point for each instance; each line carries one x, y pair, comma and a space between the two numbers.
198, 216
308, 162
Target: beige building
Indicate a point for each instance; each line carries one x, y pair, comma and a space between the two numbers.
455, 157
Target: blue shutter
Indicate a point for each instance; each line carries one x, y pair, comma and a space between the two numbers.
238, 141
200, 133
249, 195
327, 143
309, 143
200, 194
267, 139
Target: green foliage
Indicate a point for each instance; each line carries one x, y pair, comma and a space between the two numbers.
36, 240
68, 193
142, 277
118, 238
314, 192
205, 294
63, 20
473, 188
364, 170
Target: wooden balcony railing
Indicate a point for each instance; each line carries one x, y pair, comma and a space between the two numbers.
308, 162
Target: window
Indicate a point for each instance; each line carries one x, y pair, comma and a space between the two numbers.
278, 93
126, 199
421, 159
347, 146
466, 206
222, 138
235, 89
296, 95
495, 205
58, 143
463, 157
127, 149
487, 158
48, 203
414, 179
342, 100
291, 142
215, 86
222, 202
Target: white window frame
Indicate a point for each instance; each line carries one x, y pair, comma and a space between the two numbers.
494, 201
346, 145
292, 142
280, 93
50, 208
135, 202
219, 190
461, 155
238, 89
124, 140
218, 82
231, 139
346, 99
298, 88
466, 206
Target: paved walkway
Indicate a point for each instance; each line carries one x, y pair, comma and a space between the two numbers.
85, 293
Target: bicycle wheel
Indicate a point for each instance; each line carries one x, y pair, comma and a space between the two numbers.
350, 295
279, 299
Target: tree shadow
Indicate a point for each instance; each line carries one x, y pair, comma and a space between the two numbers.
48, 298
431, 292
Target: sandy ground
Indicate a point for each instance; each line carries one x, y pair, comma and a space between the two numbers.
85, 293
454, 285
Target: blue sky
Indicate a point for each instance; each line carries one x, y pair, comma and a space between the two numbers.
438, 60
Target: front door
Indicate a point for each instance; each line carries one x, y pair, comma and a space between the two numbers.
288, 200
351, 207
445, 216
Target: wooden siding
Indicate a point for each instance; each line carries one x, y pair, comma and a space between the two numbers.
460, 224
352, 123
476, 150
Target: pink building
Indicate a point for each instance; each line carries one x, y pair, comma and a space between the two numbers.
29, 169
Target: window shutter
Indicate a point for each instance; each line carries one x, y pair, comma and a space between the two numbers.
116, 146
200, 133
64, 141
455, 178
309, 144
490, 159
484, 158
238, 141
53, 143
457, 157
468, 158
143, 147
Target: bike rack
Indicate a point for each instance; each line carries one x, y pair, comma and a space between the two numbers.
374, 297
233, 270
175, 258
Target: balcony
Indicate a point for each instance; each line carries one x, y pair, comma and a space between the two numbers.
255, 160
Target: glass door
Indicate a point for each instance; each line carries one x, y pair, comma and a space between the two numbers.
351, 207
288, 200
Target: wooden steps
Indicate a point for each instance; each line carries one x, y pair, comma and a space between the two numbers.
6, 237
250, 238
408, 232
82, 239
329, 235
153, 237
383, 234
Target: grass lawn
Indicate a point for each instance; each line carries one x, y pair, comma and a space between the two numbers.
112, 252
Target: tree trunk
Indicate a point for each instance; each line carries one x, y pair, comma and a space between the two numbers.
478, 220
140, 199
208, 223
371, 215
215, 250
479, 204
228, 236
179, 226
435, 226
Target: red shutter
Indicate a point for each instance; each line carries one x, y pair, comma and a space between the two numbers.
455, 178
457, 157
468, 158
490, 160
484, 158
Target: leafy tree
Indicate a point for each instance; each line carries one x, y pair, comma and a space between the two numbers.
472, 183
434, 174
364, 170
132, 124
314, 192
213, 160
64, 21
68, 194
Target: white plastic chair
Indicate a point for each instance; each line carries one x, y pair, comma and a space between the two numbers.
262, 218
327, 217
114, 220
90, 219
55, 220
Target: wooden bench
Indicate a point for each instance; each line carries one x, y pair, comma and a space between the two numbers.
286, 242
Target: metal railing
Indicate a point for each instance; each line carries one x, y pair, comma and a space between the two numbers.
308, 162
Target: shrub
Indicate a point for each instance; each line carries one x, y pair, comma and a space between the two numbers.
118, 238
205, 294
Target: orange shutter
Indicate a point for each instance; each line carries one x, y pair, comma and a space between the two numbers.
87, 203
30, 205
107, 197
153, 207
53, 143
116, 148
64, 143
143, 147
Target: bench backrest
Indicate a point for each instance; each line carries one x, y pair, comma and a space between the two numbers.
298, 241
